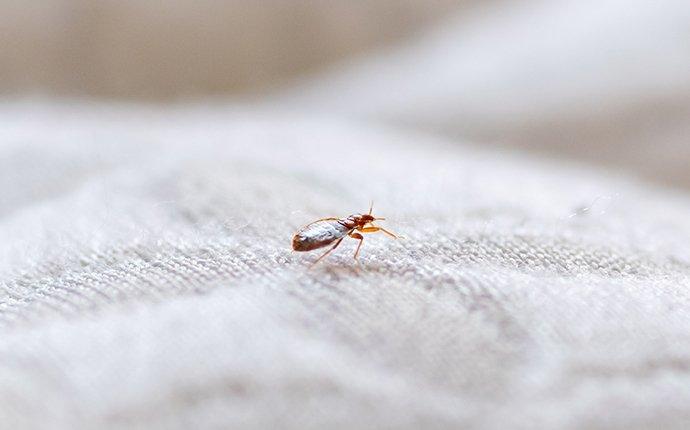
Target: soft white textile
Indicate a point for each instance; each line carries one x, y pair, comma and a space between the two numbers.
147, 279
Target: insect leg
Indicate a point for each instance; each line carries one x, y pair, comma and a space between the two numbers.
374, 229
361, 240
328, 252
388, 232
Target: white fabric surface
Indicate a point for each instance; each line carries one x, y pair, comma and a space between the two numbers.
148, 281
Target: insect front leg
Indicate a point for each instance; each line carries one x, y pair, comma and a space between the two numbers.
374, 229
361, 240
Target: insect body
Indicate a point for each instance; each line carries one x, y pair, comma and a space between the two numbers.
328, 231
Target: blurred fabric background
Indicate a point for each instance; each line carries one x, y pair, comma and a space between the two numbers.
606, 82
148, 50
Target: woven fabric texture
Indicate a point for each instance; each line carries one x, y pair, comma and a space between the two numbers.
148, 280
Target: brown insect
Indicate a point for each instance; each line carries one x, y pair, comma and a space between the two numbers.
325, 231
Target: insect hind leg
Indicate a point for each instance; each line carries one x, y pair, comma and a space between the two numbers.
327, 252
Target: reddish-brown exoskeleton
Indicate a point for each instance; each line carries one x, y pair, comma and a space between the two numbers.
325, 231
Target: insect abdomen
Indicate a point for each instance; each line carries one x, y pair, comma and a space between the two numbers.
317, 235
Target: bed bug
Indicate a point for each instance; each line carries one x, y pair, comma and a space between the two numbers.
326, 231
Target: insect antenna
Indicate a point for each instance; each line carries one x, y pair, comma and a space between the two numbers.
371, 207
